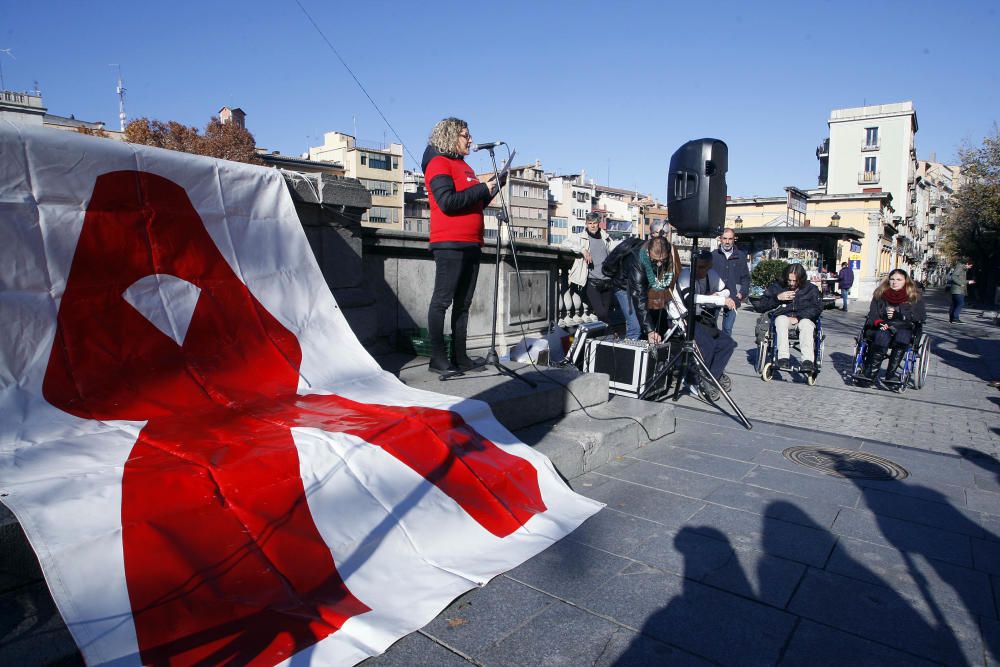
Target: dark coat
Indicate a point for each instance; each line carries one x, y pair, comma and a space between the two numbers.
733, 270
807, 304
907, 314
846, 277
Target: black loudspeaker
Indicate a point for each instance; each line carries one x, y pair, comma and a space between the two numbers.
696, 188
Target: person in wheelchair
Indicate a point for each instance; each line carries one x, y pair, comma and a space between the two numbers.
895, 316
797, 304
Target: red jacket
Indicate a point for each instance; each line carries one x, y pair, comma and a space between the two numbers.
457, 199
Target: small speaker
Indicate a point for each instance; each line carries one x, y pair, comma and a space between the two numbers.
696, 188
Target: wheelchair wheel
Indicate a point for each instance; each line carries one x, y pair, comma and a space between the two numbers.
761, 356
859, 358
767, 372
820, 347
923, 362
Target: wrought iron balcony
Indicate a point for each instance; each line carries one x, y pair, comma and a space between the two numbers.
866, 177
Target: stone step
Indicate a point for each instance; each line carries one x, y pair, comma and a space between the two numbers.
586, 439
516, 404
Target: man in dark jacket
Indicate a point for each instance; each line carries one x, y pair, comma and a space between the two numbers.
958, 285
846, 280
731, 263
799, 305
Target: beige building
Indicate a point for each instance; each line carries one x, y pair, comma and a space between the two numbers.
573, 198
527, 196
935, 184
820, 230
378, 167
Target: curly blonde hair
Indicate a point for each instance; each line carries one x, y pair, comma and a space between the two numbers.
444, 136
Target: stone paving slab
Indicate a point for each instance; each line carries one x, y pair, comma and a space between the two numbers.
932, 543
776, 505
880, 614
913, 577
815, 645
698, 618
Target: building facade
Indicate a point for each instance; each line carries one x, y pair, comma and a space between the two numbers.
573, 199
856, 227
935, 184
527, 196
378, 167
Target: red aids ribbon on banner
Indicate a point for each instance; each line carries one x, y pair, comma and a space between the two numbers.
223, 559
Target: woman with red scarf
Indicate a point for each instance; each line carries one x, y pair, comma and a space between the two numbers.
896, 309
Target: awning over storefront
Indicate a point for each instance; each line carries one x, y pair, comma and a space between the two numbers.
840, 233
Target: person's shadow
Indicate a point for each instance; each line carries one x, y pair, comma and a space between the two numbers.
852, 604
905, 513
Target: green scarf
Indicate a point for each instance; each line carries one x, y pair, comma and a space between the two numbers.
654, 282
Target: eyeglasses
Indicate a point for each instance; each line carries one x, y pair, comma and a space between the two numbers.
465, 135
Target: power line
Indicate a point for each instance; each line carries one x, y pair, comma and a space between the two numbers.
357, 81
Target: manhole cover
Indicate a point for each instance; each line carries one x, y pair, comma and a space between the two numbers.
845, 463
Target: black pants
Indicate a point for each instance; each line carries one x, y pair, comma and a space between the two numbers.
881, 340
598, 295
716, 347
455, 274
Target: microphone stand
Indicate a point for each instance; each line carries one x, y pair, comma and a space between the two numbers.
689, 354
492, 358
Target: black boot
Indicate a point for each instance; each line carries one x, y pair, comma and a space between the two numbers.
439, 358
872, 363
892, 376
460, 355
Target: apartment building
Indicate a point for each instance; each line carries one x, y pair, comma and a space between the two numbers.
527, 196
573, 198
872, 149
379, 167
618, 209
416, 206
935, 184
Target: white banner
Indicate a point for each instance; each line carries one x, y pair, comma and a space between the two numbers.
208, 464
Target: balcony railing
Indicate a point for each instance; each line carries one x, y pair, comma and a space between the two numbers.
866, 177
870, 147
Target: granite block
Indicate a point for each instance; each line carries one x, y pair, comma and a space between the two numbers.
487, 615
821, 487
905, 536
566, 635
415, 649
793, 541
774, 504
617, 533
814, 645
695, 461
914, 578
667, 509
710, 623
568, 569
881, 615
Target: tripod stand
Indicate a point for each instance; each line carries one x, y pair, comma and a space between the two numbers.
689, 356
492, 358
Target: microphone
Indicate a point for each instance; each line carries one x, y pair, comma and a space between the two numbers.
492, 144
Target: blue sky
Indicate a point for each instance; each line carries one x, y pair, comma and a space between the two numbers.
610, 87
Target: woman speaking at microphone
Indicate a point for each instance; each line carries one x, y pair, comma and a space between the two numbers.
457, 199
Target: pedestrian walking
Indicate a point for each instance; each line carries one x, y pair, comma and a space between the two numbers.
846, 280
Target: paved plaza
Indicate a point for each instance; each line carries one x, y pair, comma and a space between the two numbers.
716, 549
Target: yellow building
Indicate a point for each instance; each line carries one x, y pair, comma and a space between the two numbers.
820, 230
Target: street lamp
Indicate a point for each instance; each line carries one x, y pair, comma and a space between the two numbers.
835, 219
738, 222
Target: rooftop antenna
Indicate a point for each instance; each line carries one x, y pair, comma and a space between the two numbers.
3, 86
120, 90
